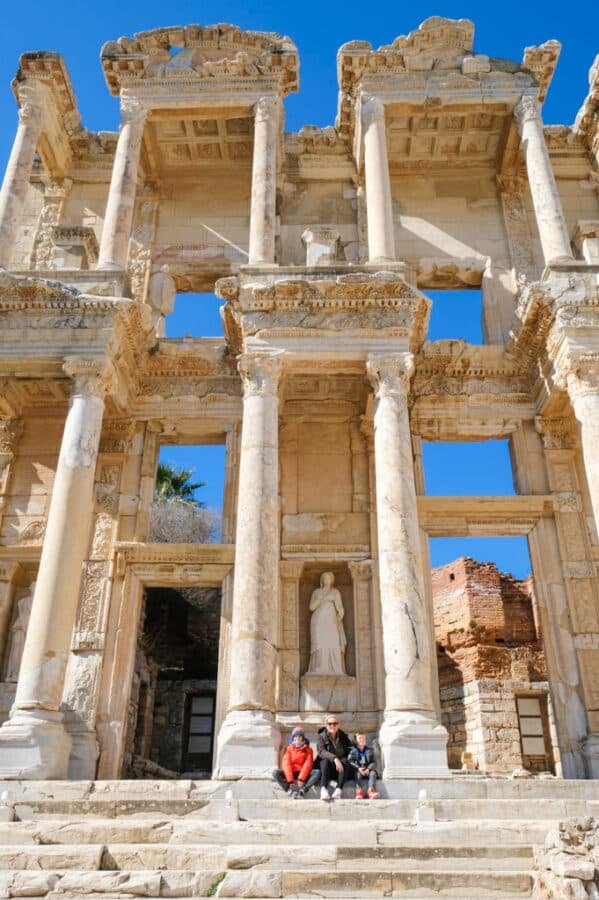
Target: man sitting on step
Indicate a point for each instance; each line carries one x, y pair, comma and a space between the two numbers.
297, 776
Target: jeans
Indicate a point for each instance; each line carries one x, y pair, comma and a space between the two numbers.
279, 776
328, 772
366, 782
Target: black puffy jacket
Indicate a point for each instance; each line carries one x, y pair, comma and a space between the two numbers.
326, 748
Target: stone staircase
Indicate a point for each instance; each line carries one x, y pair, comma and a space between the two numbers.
200, 839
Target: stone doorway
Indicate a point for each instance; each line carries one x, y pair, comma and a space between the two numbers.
172, 712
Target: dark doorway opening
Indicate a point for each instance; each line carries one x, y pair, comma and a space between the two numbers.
173, 699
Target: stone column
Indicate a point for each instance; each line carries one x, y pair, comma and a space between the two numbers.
16, 179
264, 182
34, 743
379, 209
412, 739
583, 390
547, 204
249, 737
118, 218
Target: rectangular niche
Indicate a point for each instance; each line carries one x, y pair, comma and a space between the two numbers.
309, 582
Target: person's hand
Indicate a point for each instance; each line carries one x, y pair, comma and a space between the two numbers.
338, 765
300, 784
363, 771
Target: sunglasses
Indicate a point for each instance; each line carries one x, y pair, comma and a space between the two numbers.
333, 723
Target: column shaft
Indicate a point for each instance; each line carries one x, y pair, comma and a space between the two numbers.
118, 218
248, 738
34, 740
16, 179
411, 736
379, 208
264, 182
583, 390
545, 197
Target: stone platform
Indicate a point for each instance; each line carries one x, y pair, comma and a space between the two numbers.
125, 839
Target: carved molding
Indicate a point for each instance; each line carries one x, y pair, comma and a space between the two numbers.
558, 433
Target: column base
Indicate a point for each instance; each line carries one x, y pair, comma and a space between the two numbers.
248, 745
413, 744
590, 749
34, 745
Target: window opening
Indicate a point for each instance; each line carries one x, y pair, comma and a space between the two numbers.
456, 315
469, 468
188, 495
534, 732
199, 737
195, 315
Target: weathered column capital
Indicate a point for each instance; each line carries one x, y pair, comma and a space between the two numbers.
582, 379
527, 109
373, 110
31, 114
133, 111
361, 570
390, 374
558, 433
91, 377
10, 432
260, 372
266, 107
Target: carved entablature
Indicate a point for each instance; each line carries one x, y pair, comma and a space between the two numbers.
202, 55
439, 55
205, 373
541, 62
587, 120
360, 304
454, 367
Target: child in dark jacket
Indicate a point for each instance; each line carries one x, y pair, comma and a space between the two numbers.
361, 759
297, 776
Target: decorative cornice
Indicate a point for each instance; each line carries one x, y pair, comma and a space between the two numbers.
196, 53
541, 62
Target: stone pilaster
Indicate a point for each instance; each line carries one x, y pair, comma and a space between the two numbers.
546, 201
10, 432
55, 195
120, 207
412, 739
583, 390
264, 182
16, 179
249, 738
379, 209
34, 743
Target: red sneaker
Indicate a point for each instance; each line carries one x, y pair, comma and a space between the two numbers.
374, 795
359, 795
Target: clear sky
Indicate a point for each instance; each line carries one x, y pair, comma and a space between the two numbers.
78, 30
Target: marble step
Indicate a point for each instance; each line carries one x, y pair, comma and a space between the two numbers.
374, 883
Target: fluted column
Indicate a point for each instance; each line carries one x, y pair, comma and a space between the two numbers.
412, 739
16, 179
118, 218
379, 208
545, 197
34, 743
583, 390
264, 182
249, 737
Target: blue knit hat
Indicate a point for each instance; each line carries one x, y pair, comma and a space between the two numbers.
297, 731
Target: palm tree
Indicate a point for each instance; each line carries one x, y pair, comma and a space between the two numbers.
172, 483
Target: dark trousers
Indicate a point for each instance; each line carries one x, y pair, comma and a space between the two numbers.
366, 782
328, 772
279, 776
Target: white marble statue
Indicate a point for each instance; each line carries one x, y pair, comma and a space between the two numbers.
327, 635
18, 633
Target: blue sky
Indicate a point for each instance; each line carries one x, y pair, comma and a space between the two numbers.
77, 30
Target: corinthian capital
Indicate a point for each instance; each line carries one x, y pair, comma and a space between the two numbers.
266, 108
260, 372
557, 434
91, 377
526, 110
390, 374
133, 111
583, 377
373, 110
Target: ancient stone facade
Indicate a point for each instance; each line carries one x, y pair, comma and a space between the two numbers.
322, 244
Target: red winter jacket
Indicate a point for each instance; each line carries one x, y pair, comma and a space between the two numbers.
297, 762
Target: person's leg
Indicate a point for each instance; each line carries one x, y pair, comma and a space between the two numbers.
359, 785
325, 776
279, 776
372, 780
346, 775
313, 778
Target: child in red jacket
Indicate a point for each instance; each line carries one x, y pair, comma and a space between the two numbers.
297, 775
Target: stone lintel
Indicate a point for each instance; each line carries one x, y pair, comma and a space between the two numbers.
482, 516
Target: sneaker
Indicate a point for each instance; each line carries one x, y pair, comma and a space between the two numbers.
291, 792
301, 792
337, 793
359, 795
324, 794
373, 795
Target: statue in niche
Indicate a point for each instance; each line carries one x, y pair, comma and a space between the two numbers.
327, 635
18, 633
